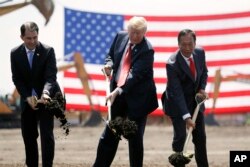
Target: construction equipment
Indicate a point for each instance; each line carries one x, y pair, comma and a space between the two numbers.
10, 111
45, 7
95, 116
218, 79
10, 105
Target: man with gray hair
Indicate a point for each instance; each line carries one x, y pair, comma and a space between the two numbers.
133, 91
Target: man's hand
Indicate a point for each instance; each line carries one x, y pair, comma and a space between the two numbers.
203, 94
107, 69
45, 98
189, 123
112, 96
32, 101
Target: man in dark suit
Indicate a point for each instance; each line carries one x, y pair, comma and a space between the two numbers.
34, 70
135, 96
184, 82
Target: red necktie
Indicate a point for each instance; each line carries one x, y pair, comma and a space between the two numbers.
192, 67
125, 67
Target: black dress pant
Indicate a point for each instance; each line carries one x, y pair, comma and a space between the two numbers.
30, 121
108, 145
199, 138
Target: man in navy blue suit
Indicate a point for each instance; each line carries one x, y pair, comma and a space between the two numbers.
133, 96
34, 70
184, 82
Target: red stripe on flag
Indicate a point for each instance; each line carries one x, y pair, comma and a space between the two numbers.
228, 62
81, 91
103, 93
159, 112
82, 107
221, 110
68, 74
194, 17
232, 94
227, 46
207, 47
200, 32
229, 110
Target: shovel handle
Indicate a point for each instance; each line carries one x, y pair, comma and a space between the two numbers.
199, 103
107, 78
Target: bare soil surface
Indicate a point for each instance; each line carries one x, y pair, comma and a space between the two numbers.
79, 148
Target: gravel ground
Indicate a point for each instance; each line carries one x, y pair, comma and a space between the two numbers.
79, 148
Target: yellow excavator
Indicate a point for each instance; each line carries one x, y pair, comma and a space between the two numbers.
10, 106
94, 118
10, 110
8, 102
218, 79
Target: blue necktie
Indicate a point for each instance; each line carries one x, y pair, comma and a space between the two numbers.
30, 57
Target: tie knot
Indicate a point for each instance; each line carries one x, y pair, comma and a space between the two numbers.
30, 52
130, 45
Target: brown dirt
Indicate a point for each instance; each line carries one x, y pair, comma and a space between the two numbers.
79, 148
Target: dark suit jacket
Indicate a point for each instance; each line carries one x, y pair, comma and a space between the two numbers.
139, 89
41, 77
179, 98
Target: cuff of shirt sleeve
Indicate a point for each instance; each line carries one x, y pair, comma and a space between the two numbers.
119, 90
46, 92
184, 117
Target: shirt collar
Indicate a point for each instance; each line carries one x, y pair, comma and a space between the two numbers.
185, 58
133, 45
27, 50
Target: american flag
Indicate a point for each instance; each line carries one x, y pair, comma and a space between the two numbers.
224, 36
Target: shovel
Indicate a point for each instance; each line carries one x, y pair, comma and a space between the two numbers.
182, 158
108, 122
119, 126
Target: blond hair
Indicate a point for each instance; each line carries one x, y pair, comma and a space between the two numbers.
138, 23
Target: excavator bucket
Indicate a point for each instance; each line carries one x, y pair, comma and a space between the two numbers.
95, 116
46, 8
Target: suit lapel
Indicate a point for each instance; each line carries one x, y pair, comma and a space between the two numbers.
37, 57
135, 52
122, 47
137, 49
24, 58
197, 62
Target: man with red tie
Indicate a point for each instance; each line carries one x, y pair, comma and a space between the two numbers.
187, 76
133, 91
